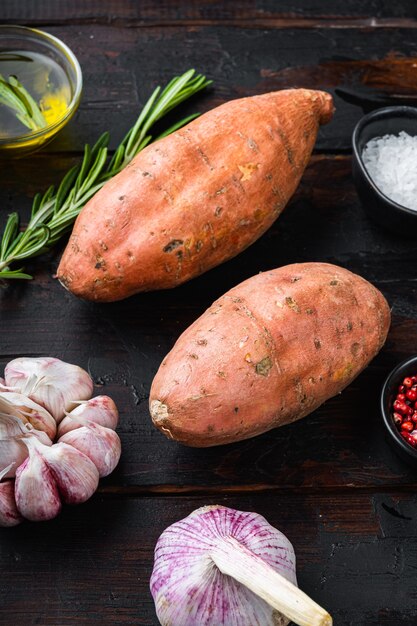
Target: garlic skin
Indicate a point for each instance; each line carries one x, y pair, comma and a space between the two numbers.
221, 567
13, 452
27, 410
12, 449
35, 395
50, 475
100, 410
50, 382
75, 474
37, 496
101, 445
9, 515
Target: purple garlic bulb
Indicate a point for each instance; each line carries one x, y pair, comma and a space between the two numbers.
221, 567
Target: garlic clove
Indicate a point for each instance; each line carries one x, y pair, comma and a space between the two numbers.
101, 445
50, 382
100, 410
9, 515
40, 435
36, 492
76, 475
18, 405
12, 449
12, 453
221, 567
50, 474
8, 407
12, 426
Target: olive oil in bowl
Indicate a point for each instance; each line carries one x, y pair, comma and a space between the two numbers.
40, 88
45, 81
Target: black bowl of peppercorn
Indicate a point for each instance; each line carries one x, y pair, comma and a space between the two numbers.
399, 409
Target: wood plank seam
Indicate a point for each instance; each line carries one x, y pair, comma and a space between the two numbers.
271, 23
170, 490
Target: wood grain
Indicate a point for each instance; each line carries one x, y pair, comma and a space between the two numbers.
92, 565
261, 14
121, 67
330, 482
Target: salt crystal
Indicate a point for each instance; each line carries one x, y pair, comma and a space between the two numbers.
391, 162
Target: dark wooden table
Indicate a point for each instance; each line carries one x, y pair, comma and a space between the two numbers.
330, 482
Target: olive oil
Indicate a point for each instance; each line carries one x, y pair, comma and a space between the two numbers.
46, 82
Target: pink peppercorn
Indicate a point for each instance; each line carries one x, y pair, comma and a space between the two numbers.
405, 410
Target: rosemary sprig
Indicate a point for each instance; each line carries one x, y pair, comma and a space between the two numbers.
16, 97
54, 212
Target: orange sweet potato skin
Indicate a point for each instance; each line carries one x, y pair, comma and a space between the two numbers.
267, 353
195, 198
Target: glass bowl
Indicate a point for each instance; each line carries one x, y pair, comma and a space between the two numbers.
21, 38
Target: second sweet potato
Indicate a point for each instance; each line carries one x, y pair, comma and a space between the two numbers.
267, 353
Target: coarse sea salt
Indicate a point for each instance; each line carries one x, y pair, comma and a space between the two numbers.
391, 161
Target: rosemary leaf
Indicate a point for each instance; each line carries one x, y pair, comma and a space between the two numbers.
54, 212
65, 187
19, 274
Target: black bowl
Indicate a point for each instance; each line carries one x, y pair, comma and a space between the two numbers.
389, 391
387, 121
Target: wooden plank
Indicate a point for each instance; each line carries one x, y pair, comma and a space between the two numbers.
330, 482
122, 344
118, 81
264, 13
356, 555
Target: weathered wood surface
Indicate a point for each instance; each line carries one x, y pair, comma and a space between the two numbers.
355, 555
330, 481
267, 13
122, 65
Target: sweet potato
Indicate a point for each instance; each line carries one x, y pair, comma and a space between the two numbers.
267, 353
195, 198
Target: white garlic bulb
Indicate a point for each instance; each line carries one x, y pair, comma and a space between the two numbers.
221, 567
50, 382
101, 445
100, 410
9, 515
36, 394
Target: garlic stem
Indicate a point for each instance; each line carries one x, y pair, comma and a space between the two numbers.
233, 559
